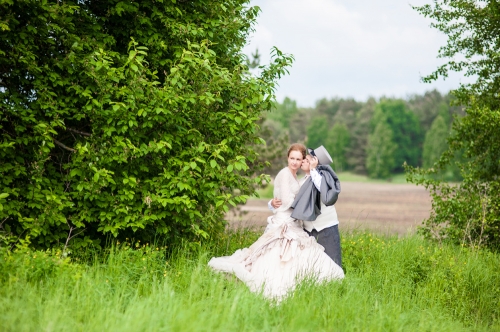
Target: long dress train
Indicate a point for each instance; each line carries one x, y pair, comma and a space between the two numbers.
284, 255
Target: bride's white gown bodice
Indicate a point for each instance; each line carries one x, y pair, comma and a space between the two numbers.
284, 255
286, 187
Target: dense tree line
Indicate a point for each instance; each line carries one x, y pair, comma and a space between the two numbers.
373, 137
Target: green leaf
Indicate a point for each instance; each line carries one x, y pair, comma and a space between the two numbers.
75, 171
213, 163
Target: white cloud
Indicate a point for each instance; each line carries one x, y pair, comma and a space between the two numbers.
350, 49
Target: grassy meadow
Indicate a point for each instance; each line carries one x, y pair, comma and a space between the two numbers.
391, 284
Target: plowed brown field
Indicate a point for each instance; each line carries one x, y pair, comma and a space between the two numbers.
380, 207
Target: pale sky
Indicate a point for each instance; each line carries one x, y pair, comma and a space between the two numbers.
350, 48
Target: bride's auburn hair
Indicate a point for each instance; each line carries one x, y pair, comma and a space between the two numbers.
297, 147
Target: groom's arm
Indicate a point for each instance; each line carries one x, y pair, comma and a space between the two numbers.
315, 176
316, 179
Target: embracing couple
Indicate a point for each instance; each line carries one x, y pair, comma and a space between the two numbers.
301, 239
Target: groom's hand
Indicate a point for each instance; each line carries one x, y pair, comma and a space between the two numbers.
313, 162
276, 203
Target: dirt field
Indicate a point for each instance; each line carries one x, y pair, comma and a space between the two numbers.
387, 208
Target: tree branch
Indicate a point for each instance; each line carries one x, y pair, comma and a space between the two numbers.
78, 132
63, 146
1, 224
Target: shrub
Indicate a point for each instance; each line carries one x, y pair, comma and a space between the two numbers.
126, 118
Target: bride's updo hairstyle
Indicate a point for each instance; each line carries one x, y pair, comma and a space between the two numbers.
297, 147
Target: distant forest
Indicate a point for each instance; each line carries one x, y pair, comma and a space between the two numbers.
374, 137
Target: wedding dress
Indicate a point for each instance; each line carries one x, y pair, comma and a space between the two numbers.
284, 255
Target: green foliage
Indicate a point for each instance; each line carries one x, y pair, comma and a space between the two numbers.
435, 142
380, 151
284, 112
392, 283
337, 141
431, 104
356, 153
127, 119
469, 212
317, 132
409, 119
298, 125
471, 27
273, 153
274, 129
406, 131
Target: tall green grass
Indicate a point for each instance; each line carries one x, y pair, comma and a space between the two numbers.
391, 284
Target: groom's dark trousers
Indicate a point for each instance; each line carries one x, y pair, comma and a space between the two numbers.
329, 238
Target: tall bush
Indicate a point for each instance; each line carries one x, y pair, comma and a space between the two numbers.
126, 118
470, 211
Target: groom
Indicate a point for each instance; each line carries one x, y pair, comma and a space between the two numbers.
319, 220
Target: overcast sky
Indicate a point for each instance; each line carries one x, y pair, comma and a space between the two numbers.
350, 48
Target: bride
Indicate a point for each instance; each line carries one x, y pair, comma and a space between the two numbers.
285, 254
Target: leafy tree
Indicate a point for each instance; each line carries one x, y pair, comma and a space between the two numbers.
406, 130
298, 124
327, 107
380, 151
273, 153
283, 112
126, 118
338, 109
469, 212
356, 153
435, 142
317, 131
471, 27
337, 141
347, 111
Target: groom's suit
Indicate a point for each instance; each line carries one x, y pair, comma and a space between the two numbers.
324, 226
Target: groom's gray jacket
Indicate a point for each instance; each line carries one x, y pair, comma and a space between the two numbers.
307, 203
